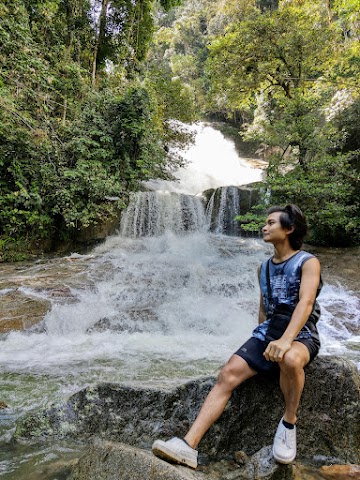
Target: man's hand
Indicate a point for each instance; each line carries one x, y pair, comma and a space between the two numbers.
276, 350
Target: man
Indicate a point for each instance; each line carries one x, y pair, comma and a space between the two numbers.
291, 277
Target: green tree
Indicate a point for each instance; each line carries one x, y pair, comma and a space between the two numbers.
122, 31
296, 70
67, 145
276, 51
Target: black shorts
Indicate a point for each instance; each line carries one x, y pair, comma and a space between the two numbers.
252, 352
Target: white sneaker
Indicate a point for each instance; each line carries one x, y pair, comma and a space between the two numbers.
284, 447
176, 450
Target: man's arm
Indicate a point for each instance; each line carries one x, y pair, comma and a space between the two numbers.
310, 279
262, 313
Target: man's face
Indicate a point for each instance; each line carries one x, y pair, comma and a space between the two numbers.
273, 231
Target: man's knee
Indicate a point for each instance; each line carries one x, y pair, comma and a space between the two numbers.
294, 360
227, 378
234, 373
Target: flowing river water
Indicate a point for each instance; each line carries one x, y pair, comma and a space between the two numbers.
156, 309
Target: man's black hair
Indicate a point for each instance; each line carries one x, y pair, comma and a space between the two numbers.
292, 216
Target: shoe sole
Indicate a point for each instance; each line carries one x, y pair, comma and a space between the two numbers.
168, 455
283, 461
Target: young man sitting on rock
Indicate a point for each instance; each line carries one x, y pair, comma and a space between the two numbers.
284, 342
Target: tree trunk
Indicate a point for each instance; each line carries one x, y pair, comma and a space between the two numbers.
74, 12
64, 111
99, 38
329, 11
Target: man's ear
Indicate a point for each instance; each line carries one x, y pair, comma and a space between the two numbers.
290, 230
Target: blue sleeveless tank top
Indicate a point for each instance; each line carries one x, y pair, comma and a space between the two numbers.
285, 280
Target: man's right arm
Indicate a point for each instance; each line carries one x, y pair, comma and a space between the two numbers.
262, 313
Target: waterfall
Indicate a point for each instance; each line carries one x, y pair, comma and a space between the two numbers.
223, 207
153, 213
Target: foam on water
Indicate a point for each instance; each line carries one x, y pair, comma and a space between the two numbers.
177, 298
340, 322
4, 291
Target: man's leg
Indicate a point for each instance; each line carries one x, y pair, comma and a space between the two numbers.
235, 372
184, 451
292, 379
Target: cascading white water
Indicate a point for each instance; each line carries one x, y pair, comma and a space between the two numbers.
213, 162
153, 213
221, 214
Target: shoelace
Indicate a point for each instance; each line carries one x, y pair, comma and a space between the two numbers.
284, 439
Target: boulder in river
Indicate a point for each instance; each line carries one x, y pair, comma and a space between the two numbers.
117, 461
328, 426
19, 311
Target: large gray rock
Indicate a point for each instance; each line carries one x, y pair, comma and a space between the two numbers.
329, 415
99, 231
116, 461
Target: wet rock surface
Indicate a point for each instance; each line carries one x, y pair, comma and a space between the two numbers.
28, 290
339, 265
340, 472
106, 460
116, 461
329, 415
19, 311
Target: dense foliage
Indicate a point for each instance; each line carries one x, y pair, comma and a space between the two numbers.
287, 74
80, 125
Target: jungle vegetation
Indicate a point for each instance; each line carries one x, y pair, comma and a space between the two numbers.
90, 89
81, 125
286, 75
